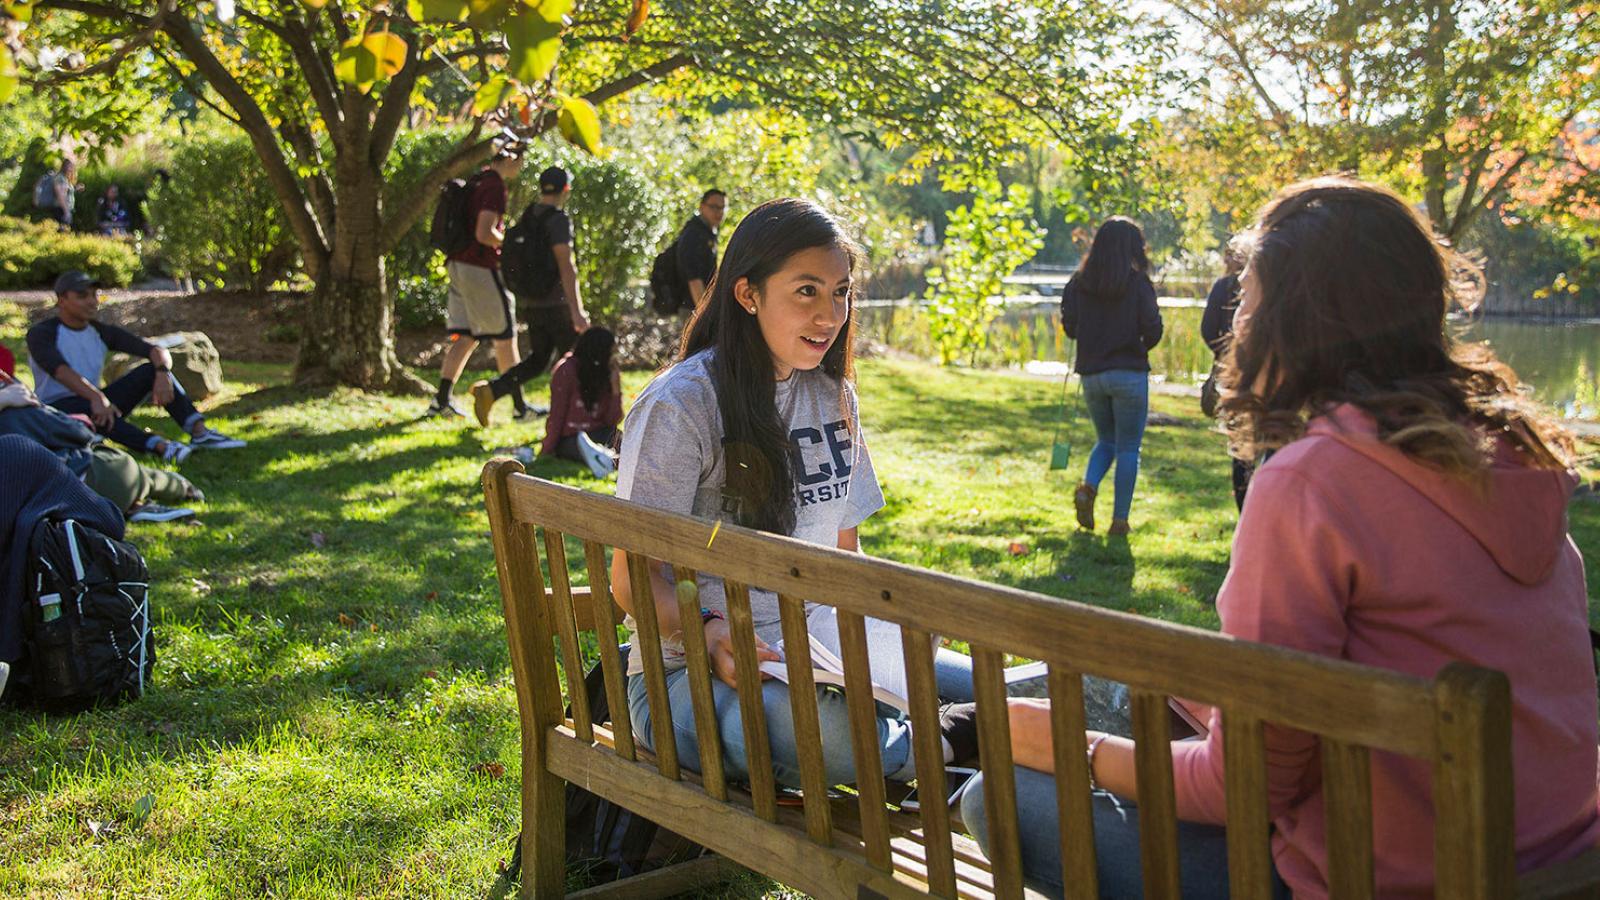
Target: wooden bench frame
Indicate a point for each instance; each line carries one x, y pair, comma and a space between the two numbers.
1459, 721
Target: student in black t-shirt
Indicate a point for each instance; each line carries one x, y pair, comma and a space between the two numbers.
555, 320
696, 246
67, 352
1216, 328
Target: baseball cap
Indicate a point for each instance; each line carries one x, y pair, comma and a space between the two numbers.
75, 280
553, 179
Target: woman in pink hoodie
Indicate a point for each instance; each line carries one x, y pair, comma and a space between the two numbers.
1413, 512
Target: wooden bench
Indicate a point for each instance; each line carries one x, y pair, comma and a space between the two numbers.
860, 846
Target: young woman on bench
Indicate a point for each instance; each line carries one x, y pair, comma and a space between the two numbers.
756, 424
1413, 513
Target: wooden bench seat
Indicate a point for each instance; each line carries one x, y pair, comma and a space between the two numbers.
860, 846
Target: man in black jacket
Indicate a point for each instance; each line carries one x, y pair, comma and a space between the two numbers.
696, 246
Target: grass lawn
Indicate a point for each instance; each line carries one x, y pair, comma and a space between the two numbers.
333, 712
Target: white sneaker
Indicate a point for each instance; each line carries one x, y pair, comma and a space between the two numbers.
155, 512
598, 457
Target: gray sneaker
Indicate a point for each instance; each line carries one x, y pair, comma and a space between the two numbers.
209, 439
174, 452
155, 512
444, 410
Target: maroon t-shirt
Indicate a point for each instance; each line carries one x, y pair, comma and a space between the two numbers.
488, 193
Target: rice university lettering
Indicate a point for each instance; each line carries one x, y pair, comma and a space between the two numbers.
818, 479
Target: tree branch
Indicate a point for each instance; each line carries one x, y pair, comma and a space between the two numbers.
319, 74
425, 192
313, 243
396, 102
147, 33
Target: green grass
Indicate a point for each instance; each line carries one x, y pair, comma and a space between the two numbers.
333, 690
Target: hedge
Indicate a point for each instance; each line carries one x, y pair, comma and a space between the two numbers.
33, 254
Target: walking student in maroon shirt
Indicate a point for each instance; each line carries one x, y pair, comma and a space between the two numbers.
479, 307
586, 404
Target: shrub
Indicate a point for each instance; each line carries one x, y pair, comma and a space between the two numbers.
218, 218
133, 178
419, 300
32, 255
984, 243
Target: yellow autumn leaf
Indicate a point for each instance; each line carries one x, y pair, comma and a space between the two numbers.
389, 49
533, 43
579, 123
8, 74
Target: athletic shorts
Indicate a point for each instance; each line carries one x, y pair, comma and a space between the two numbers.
479, 303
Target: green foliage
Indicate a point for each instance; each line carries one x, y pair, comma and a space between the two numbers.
218, 218
33, 254
133, 174
420, 301
37, 160
984, 243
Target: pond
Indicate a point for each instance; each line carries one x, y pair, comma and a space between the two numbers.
1560, 360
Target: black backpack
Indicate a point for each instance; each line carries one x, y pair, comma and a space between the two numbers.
666, 288
607, 841
527, 263
450, 231
86, 637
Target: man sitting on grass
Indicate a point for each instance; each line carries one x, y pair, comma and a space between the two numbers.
67, 352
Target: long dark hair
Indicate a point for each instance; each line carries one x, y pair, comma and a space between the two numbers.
592, 355
1353, 292
758, 489
1115, 258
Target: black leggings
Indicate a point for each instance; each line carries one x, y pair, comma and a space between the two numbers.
126, 393
550, 334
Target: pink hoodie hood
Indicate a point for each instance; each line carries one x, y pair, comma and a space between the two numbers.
1520, 518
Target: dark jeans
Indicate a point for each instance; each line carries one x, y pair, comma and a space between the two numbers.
567, 447
126, 393
1241, 480
1202, 849
550, 334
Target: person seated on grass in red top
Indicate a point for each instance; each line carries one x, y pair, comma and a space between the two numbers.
586, 404
68, 351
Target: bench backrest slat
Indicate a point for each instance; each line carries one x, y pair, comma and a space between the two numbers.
1244, 750
1347, 793
752, 709
1070, 747
807, 726
1000, 784
698, 672
1158, 810
655, 675
864, 738
1460, 721
604, 615
555, 553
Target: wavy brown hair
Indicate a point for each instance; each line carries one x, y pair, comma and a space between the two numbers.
1353, 289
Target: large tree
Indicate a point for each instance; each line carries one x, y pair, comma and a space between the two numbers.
322, 88
1459, 101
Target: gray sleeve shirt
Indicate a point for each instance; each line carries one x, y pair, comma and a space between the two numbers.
672, 460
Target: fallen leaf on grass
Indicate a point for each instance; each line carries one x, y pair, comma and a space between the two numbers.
431, 596
491, 769
431, 674
346, 621
373, 627
1017, 548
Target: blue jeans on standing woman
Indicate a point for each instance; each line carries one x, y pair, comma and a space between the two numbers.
1119, 402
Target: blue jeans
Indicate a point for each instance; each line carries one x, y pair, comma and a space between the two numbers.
1202, 849
1118, 402
952, 670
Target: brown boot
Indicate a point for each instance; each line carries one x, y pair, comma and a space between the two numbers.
1083, 503
1119, 527
483, 402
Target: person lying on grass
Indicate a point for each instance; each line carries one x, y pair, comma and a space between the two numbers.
757, 424
1413, 514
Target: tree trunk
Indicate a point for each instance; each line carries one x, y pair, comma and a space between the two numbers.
348, 336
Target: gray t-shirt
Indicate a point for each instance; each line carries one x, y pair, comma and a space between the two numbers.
672, 459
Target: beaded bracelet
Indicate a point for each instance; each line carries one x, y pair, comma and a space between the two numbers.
706, 615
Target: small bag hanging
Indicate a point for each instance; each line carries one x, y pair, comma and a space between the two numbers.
1060, 448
